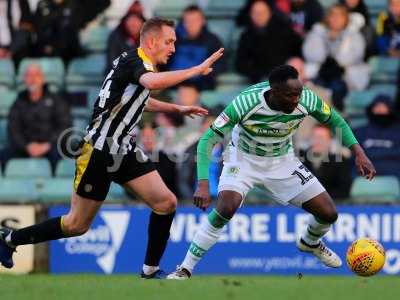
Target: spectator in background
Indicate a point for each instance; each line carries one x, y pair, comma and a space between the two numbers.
388, 30
380, 137
124, 37
334, 51
36, 120
15, 29
187, 168
189, 95
398, 92
243, 18
303, 133
359, 10
194, 44
58, 22
268, 42
165, 167
304, 14
331, 166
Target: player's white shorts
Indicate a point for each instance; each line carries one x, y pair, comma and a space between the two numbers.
285, 179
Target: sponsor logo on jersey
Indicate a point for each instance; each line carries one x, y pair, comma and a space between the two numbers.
221, 121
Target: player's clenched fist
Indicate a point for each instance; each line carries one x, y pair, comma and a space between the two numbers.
201, 197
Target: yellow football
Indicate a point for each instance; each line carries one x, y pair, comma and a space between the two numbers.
365, 257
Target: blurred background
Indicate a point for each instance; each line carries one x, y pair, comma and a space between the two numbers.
54, 55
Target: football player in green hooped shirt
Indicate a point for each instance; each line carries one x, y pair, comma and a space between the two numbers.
263, 119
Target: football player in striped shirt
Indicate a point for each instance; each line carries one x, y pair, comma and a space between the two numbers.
109, 152
263, 119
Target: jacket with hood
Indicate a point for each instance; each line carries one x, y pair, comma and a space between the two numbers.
348, 49
380, 139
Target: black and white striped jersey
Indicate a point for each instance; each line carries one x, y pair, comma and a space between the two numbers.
120, 104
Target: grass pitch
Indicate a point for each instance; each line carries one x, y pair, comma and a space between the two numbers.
92, 287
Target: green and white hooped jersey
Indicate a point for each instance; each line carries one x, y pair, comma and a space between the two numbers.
257, 129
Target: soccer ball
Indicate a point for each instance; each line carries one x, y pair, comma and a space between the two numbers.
365, 257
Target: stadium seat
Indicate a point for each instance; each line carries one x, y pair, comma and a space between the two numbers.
56, 190
3, 133
381, 189
116, 193
7, 99
53, 69
224, 8
95, 39
12, 190
28, 168
7, 73
86, 73
65, 168
214, 98
383, 69
223, 29
357, 101
172, 8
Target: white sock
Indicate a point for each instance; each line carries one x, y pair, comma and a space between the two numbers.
315, 231
150, 269
206, 236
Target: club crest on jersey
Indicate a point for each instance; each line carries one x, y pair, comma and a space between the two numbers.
325, 108
221, 121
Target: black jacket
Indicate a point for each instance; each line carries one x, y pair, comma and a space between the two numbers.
41, 121
335, 176
260, 50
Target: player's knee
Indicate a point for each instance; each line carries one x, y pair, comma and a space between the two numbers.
228, 203
168, 205
73, 226
330, 216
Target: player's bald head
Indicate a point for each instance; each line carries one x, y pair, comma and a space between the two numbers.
154, 26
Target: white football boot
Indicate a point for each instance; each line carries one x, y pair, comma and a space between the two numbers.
322, 252
179, 274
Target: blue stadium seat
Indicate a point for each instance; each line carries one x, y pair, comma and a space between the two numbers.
95, 39
3, 133
214, 98
381, 189
53, 69
65, 168
23, 190
56, 190
7, 99
7, 73
86, 73
223, 29
116, 193
383, 69
357, 101
28, 168
224, 8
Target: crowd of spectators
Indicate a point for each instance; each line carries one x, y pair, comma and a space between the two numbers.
330, 48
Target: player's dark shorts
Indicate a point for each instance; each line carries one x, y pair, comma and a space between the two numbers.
96, 169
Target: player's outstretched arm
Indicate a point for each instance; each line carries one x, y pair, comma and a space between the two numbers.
154, 105
162, 80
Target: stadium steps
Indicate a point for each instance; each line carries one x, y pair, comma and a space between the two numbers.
382, 189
